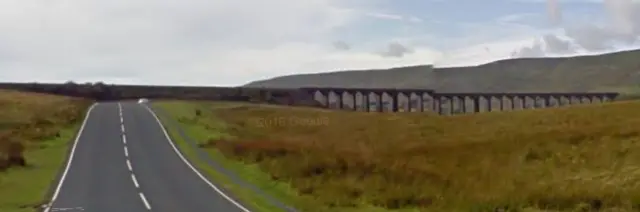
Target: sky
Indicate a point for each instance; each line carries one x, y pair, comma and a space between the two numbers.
232, 42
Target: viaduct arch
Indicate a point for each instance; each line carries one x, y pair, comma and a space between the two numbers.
420, 100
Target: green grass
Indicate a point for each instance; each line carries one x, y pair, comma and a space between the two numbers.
20, 187
579, 158
249, 173
210, 128
35, 129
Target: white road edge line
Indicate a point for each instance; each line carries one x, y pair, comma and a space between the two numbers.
144, 200
135, 181
70, 159
126, 151
129, 165
175, 149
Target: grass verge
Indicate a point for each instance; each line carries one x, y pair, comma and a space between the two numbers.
204, 127
37, 129
200, 132
579, 158
21, 189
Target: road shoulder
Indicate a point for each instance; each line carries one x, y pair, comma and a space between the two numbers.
245, 182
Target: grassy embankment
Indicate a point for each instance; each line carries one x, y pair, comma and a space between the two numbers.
201, 130
36, 128
577, 158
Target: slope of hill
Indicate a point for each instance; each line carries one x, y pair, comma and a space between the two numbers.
578, 158
35, 133
619, 71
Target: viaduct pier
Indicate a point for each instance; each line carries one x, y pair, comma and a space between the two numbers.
419, 100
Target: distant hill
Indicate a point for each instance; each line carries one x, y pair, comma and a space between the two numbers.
619, 71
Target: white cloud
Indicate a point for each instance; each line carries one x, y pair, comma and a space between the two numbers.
218, 42
620, 30
388, 16
163, 41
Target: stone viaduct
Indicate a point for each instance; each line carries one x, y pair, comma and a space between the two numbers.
359, 99
410, 100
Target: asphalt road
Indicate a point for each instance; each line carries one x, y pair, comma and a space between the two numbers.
122, 161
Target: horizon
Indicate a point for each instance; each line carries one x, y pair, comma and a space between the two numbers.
380, 69
226, 43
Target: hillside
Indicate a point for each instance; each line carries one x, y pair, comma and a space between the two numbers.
578, 158
35, 133
619, 71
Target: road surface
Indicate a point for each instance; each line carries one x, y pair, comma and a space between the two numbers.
122, 161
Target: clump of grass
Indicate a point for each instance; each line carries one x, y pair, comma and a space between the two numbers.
569, 159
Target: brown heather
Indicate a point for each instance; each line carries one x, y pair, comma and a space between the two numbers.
27, 118
578, 158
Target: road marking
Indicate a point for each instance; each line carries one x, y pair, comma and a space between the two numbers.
70, 159
144, 200
129, 165
175, 149
68, 209
126, 154
135, 181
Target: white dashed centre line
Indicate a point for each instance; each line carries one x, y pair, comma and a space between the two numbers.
144, 200
129, 165
126, 154
135, 181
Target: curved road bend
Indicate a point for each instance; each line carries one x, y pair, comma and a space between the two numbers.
122, 161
